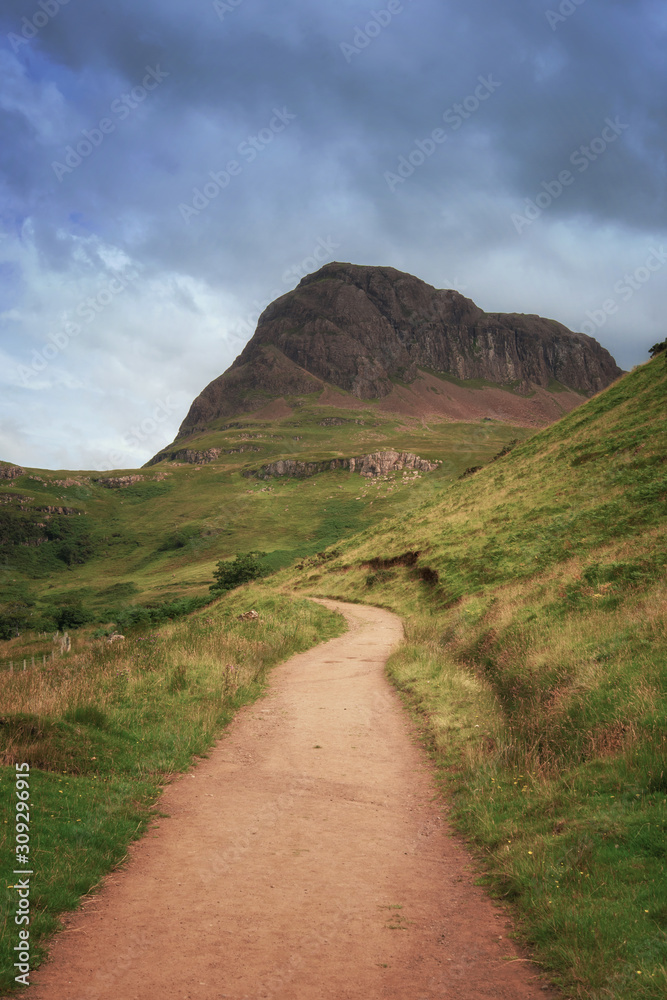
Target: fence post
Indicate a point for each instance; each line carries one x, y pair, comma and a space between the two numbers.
11, 666
24, 664
44, 660
32, 662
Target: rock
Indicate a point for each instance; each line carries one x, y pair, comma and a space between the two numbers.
363, 328
193, 457
383, 462
11, 471
378, 464
118, 482
66, 511
248, 616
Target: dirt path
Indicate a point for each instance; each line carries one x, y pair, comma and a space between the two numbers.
303, 860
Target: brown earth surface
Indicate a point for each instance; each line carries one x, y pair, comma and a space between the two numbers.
430, 396
305, 859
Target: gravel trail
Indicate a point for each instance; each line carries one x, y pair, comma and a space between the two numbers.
304, 859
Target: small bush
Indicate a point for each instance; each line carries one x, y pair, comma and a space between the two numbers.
14, 619
71, 616
246, 566
180, 539
139, 615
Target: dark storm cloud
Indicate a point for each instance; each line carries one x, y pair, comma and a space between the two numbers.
558, 87
320, 106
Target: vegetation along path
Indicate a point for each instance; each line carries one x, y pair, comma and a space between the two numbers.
303, 859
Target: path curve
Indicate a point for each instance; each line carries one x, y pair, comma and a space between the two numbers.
304, 859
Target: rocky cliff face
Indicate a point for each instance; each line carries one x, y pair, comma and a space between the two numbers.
359, 328
379, 463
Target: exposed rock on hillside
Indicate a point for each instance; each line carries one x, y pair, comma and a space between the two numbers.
118, 482
193, 457
11, 471
65, 511
378, 464
363, 329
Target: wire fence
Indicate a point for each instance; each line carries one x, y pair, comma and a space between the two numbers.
27, 662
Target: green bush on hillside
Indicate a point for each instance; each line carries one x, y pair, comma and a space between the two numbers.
246, 566
139, 615
180, 539
71, 616
37, 545
14, 619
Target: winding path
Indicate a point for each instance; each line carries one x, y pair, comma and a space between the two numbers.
305, 859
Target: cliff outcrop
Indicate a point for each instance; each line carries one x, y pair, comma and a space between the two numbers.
379, 463
364, 329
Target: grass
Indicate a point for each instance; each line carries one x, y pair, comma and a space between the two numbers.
167, 532
534, 603
534, 600
104, 727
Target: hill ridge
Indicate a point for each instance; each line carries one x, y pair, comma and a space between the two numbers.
364, 329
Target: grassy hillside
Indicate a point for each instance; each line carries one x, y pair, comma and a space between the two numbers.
534, 596
71, 545
534, 600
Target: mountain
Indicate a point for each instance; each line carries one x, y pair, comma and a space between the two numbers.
360, 390
352, 333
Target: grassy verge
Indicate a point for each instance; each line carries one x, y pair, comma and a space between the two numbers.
558, 777
104, 728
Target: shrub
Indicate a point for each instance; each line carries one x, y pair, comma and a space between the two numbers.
140, 615
72, 615
14, 619
245, 566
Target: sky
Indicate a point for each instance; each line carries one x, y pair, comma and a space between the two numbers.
168, 169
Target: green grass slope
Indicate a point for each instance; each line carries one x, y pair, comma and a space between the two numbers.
66, 539
534, 596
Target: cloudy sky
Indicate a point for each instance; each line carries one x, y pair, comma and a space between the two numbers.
167, 169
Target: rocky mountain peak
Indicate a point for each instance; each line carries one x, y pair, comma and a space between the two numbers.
362, 329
